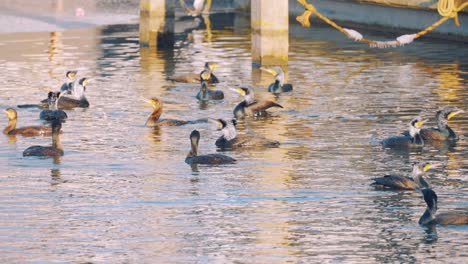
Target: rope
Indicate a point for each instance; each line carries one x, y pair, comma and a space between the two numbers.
446, 9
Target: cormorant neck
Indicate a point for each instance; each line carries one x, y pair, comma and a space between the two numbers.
415, 136
11, 126
442, 123
78, 91
452, 134
204, 86
427, 217
280, 78
56, 142
154, 117
249, 98
194, 148
276, 86
417, 139
421, 182
53, 104
229, 132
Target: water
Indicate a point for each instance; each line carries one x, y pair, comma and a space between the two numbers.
122, 192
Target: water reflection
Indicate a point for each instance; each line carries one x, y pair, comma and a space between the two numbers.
123, 189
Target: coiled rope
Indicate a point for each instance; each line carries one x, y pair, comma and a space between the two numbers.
446, 9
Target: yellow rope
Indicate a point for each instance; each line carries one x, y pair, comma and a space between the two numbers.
446, 9
207, 6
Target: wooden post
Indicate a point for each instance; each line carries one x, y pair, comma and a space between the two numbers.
154, 25
270, 25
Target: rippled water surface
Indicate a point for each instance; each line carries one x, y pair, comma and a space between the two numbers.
123, 193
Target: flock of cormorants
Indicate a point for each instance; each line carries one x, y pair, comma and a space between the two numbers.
72, 94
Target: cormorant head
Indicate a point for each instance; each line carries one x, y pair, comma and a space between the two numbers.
84, 82
53, 96
11, 113
448, 112
211, 65
221, 124
194, 139
430, 197
273, 71
421, 167
195, 134
154, 102
415, 126
276, 71
205, 76
243, 91
417, 122
71, 75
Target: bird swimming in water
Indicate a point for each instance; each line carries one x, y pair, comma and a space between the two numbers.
430, 218
68, 85
250, 106
29, 131
194, 158
415, 182
195, 77
53, 112
205, 92
413, 139
231, 140
49, 151
278, 86
77, 98
443, 132
153, 120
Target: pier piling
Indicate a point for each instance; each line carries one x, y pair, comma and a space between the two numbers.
270, 25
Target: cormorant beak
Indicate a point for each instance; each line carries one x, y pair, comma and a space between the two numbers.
219, 125
432, 165
151, 102
452, 114
213, 66
9, 115
205, 76
87, 81
420, 123
271, 71
239, 90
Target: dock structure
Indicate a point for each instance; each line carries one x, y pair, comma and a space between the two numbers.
270, 37
156, 23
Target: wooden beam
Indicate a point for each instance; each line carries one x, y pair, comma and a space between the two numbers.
154, 22
270, 30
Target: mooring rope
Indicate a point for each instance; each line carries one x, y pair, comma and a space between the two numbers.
446, 9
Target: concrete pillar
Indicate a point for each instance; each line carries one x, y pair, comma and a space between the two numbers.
270, 25
156, 23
